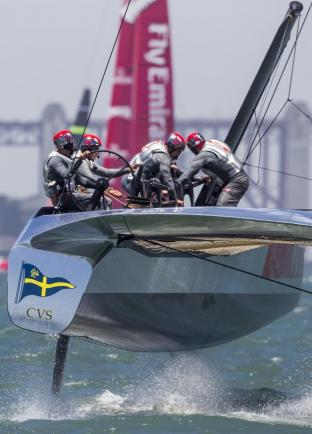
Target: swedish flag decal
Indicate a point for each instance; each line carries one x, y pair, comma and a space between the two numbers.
33, 282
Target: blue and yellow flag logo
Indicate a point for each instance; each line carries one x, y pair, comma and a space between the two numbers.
33, 282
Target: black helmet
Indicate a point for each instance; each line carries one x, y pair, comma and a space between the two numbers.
195, 142
175, 142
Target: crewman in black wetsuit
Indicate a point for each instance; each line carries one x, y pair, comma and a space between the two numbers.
217, 160
58, 172
158, 157
89, 172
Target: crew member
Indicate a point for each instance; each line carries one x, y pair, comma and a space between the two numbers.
216, 159
157, 158
58, 172
89, 172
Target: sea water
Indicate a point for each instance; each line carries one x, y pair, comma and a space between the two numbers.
107, 390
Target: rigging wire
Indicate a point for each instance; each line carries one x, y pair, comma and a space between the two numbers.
253, 146
279, 171
256, 129
291, 53
263, 101
260, 150
230, 267
300, 110
292, 67
267, 129
257, 126
259, 158
291, 101
293, 61
104, 73
94, 100
267, 92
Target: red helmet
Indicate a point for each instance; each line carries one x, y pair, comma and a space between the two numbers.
90, 142
63, 140
175, 142
195, 142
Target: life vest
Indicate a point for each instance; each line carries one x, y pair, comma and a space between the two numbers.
146, 152
152, 148
53, 187
227, 165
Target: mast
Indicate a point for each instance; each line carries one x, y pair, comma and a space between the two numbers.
262, 78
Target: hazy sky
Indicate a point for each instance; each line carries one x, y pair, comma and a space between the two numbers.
51, 49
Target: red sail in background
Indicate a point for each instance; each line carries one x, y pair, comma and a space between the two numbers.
152, 100
119, 116
142, 102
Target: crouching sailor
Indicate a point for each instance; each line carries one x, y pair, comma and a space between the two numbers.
58, 172
89, 172
155, 161
216, 159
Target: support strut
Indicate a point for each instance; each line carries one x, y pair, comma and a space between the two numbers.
59, 363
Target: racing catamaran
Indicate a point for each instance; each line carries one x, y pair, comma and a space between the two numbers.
162, 279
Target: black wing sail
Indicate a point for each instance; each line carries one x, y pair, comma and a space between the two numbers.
256, 90
263, 76
81, 119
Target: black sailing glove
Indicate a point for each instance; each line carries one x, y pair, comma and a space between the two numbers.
102, 183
